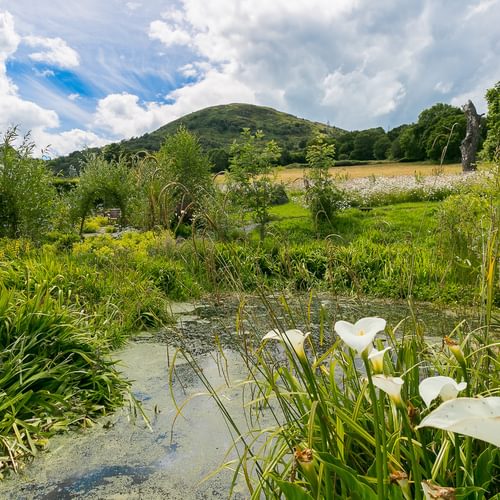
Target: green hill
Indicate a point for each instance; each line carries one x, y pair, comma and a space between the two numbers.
216, 127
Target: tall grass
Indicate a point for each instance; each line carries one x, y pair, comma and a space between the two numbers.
54, 373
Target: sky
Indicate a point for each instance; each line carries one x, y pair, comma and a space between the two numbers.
82, 73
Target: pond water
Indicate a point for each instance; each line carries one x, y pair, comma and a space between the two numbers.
124, 459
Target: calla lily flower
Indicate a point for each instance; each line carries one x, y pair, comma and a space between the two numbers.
377, 359
433, 387
293, 338
360, 335
390, 385
475, 417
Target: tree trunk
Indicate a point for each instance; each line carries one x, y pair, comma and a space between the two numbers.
468, 147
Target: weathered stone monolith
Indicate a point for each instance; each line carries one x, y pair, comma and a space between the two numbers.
468, 147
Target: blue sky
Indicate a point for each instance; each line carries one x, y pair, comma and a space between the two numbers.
87, 72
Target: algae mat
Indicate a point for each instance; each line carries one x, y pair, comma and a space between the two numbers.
119, 459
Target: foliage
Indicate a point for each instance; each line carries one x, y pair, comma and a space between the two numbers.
55, 374
491, 146
172, 184
108, 184
439, 128
347, 424
250, 182
186, 167
322, 196
28, 199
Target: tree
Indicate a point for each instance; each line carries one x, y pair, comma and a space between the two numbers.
185, 170
491, 146
251, 160
410, 143
28, 198
322, 195
109, 184
381, 147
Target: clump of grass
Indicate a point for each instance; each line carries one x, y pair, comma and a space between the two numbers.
55, 373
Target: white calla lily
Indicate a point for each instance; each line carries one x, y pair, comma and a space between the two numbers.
293, 338
475, 417
444, 387
377, 359
390, 385
360, 335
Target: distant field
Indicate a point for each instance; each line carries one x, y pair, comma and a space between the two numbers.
379, 170
291, 175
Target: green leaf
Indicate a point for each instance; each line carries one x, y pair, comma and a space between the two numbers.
293, 491
352, 481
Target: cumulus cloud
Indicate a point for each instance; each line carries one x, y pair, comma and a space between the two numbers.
9, 39
358, 95
168, 35
67, 141
349, 62
54, 51
124, 116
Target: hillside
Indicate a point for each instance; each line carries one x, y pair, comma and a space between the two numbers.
217, 127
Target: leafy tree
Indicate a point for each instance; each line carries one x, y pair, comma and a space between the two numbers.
322, 195
186, 169
110, 184
410, 143
251, 161
491, 146
394, 135
381, 147
364, 142
28, 198
219, 158
441, 128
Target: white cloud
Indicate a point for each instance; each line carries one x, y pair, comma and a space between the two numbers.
73, 97
443, 87
9, 39
123, 116
188, 70
29, 116
479, 8
175, 15
353, 62
55, 51
357, 96
133, 5
66, 142
168, 35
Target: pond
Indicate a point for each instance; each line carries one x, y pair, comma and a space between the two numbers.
121, 457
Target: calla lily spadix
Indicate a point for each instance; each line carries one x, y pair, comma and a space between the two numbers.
390, 385
433, 387
360, 335
294, 338
377, 359
475, 417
